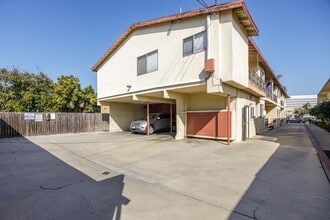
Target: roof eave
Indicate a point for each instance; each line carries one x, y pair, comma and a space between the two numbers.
252, 29
271, 70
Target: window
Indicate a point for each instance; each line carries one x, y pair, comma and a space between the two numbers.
194, 44
147, 63
269, 87
252, 112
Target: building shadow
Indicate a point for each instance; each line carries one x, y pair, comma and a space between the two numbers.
7, 131
37, 185
290, 185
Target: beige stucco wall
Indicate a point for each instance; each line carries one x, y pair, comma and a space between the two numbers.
323, 97
121, 115
233, 57
272, 116
120, 69
198, 102
244, 99
240, 54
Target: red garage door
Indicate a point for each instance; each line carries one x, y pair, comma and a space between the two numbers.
208, 124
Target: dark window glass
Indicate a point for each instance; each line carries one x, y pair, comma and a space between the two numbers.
147, 63
187, 46
194, 44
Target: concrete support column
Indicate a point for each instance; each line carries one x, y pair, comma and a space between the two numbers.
180, 118
181, 109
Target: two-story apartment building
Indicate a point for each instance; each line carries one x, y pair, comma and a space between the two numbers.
203, 64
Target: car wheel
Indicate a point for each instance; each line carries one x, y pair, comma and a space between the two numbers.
151, 130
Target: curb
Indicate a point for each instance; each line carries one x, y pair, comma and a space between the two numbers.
325, 161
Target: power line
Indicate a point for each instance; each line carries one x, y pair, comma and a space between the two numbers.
203, 3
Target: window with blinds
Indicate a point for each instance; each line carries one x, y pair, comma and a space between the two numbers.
194, 44
147, 63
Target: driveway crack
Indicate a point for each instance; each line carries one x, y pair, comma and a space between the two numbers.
55, 188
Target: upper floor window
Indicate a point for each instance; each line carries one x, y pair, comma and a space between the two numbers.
194, 44
269, 87
147, 63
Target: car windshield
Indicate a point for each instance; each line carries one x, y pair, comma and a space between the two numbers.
152, 116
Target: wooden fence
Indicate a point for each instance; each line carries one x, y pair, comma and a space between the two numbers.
28, 124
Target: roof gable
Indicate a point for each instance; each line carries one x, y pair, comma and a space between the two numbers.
239, 8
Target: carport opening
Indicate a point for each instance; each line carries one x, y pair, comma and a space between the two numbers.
162, 108
160, 116
166, 120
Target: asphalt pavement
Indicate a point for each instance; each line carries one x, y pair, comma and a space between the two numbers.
125, 176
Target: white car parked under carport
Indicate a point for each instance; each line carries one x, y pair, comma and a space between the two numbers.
158, 122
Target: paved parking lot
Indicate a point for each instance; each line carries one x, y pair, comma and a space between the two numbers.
127, 176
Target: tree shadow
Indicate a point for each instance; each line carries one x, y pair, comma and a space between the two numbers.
37, 185
290, 185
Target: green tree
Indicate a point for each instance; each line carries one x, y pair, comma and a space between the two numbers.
89, 101
29, 92
306, 108
322, 111
23, 91
67, 94
69, 97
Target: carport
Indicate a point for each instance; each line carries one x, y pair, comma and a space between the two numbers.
123, 110
180, 101
160, 108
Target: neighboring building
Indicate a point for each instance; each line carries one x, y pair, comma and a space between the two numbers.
201, 63
297, 101
324, 94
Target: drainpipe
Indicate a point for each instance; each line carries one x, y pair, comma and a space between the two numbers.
208, 36
148, 120
228, 120
171, 119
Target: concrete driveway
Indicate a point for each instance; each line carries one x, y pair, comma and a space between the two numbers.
128, 176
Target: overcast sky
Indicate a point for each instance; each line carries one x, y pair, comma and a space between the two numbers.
68, 36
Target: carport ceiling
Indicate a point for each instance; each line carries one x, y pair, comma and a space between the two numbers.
191, 89
157, 96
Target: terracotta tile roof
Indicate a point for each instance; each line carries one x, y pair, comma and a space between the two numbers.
239, 8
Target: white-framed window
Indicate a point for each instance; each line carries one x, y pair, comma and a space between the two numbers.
147, 63
194, 44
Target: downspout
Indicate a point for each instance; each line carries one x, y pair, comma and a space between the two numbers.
148, 120
171, 119
208, 36
228, 120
